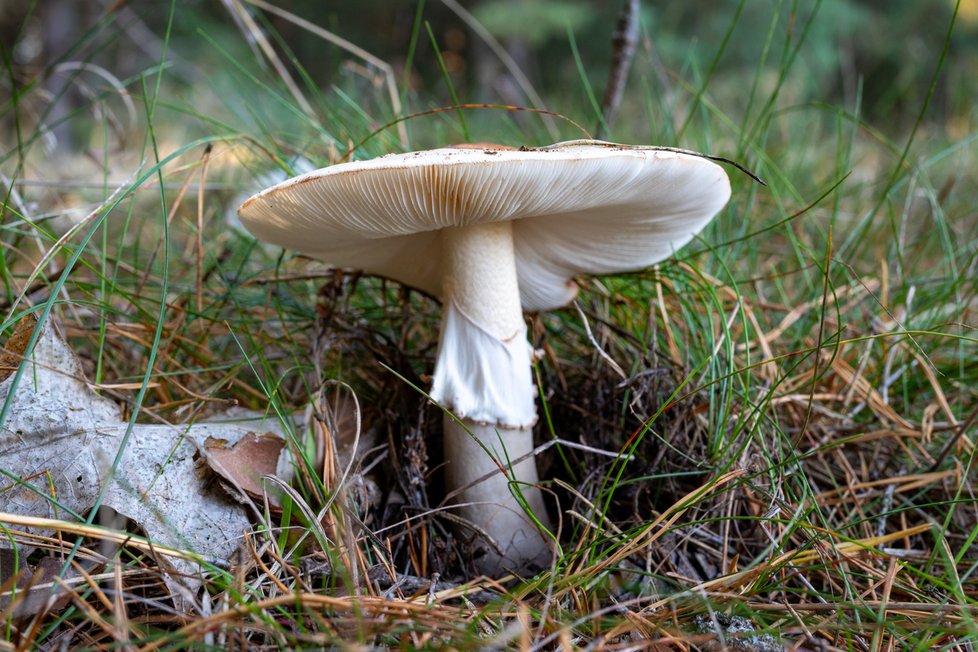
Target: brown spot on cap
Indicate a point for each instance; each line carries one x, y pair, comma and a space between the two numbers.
489, 148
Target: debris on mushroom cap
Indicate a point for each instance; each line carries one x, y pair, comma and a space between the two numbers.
486, 147
579, 208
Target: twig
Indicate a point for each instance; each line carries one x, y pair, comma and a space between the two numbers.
594, 342
970, 421
623, 43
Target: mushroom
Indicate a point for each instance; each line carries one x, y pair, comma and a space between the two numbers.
492, 232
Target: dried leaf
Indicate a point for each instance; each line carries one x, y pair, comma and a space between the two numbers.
13, 350
27, 592
244, 463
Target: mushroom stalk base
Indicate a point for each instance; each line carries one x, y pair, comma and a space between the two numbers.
490, 504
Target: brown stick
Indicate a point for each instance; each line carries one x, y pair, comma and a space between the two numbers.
623, 43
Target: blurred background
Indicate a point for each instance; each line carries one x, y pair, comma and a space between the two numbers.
874, 57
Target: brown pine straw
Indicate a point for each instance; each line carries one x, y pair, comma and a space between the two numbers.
868, 488
909, 609
848, 549
856, 292
728, 586
435, 616
116, 627
654, 530
867, 392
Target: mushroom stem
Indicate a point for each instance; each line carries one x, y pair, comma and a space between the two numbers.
483, 377
491, 504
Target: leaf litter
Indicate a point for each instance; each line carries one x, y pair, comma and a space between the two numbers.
62, 445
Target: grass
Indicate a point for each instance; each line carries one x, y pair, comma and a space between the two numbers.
795, 390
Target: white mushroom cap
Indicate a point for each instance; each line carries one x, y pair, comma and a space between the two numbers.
576, 208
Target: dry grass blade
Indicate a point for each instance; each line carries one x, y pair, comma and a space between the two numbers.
258, 36
864, 390
855, 292
57, 248
741, 580
102, 534
433, 617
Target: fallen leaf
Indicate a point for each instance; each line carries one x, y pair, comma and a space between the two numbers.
13, 350
244, 463
27, 591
